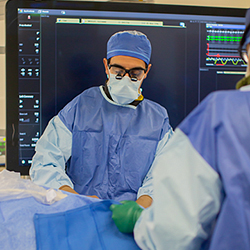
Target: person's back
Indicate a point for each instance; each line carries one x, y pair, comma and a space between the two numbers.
209, 177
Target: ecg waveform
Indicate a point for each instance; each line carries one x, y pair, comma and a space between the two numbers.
221, 57
224, 38
223, 61
222, 47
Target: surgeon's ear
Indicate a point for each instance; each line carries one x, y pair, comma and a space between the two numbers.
105, 62
149, 67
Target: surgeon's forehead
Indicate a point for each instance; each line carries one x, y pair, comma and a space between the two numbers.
127, 62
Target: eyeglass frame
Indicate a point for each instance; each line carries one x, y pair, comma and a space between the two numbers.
242, 41
127, 71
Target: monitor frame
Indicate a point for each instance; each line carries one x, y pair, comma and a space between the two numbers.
12, 136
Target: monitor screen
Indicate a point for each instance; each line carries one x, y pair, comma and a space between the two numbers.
55, 50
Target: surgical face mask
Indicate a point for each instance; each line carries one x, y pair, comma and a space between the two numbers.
123, 91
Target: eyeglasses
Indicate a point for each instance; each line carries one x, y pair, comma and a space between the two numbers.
242, 50
135, 74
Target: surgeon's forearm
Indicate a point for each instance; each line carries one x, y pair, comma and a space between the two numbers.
68, 189
144, 201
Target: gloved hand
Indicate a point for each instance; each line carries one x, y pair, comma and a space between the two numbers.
126, 215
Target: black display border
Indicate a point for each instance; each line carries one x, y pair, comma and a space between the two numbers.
12, 111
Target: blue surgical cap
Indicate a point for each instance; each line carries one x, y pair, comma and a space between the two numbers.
129, 43
247, 23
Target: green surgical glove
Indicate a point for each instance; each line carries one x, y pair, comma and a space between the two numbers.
126, 215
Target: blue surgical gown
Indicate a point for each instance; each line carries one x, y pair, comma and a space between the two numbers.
201, 181
109, 148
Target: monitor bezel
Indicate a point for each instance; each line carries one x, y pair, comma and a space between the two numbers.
12, 112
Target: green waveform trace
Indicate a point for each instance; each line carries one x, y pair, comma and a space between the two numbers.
224, 38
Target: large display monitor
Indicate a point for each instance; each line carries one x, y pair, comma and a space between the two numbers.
54, 51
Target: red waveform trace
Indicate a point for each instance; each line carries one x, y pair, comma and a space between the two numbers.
218, 55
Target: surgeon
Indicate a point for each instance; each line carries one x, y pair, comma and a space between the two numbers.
107, 136
201, 179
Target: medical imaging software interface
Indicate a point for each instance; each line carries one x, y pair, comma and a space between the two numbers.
61, 52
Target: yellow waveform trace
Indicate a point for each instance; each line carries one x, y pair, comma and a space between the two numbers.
225, 61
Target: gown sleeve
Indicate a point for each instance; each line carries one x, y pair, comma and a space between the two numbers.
53, 150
